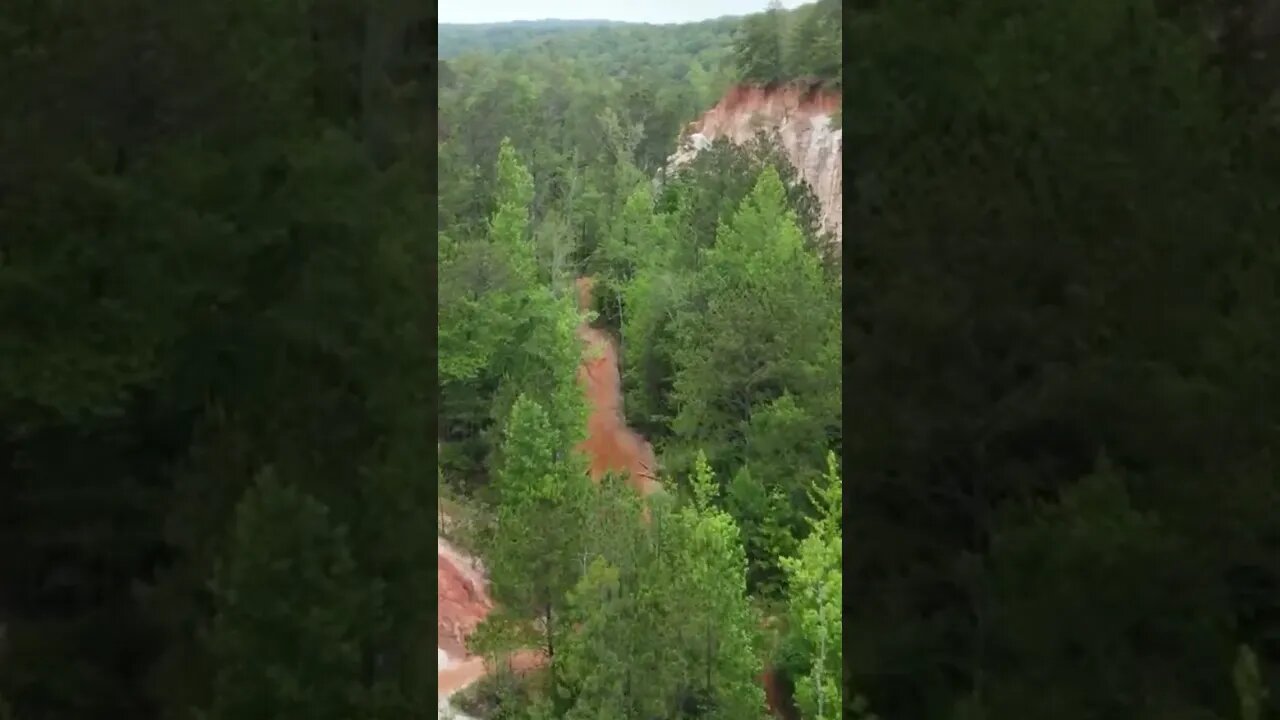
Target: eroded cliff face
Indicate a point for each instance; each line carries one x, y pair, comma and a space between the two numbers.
803, 117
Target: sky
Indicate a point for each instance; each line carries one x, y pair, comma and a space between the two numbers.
651, 11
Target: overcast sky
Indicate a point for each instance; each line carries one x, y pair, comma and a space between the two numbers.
652, 11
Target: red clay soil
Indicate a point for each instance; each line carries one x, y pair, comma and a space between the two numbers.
779, 701
463, 602
610, 446
771, 101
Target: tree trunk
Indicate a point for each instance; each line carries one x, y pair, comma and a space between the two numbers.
551, 647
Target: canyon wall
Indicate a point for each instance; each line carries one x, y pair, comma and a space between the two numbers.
802, 115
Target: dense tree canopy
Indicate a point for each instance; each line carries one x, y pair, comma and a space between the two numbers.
215, 260
694, 271
1061, 358
778, 46
221, 371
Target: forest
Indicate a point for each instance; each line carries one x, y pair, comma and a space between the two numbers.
716, 284
217, 295
1038, 382
1058, 362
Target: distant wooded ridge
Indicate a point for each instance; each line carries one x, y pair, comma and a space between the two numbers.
456, 39
772, 46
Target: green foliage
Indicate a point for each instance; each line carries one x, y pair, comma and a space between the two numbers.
1064, 218
534, 558
692, 203
722, 627
787, 439
1059, 215
762, 513
637, 621
813, 45
509, 225
604, 669
636, 233
758, 47
778, 46
816, 599
707, 191
662, 623
502, 330
618, 661
659, 272
289, 610
548, 96
216, 259
704, 489
764, 315
1142, 588
499, 695
599, 39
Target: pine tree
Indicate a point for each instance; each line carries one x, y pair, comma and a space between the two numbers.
502, 330
291, 613
539, 353
509, 224
636, 236
536, 554
764, 325
762, 514
616, 661
598, 657
662, 623
815, 589
719, 627
473, 324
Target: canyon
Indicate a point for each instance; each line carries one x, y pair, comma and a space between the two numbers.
610, 446
803, 119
